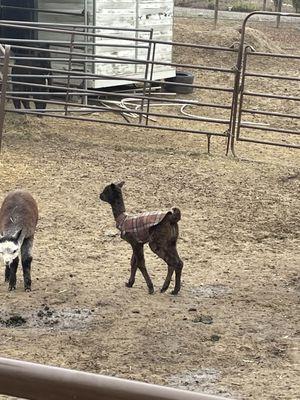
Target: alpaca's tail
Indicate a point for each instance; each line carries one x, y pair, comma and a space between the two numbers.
176, 215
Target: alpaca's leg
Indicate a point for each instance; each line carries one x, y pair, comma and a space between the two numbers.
163, 239
13, 274
178, 270
26, 262
165, 247
168, 279
7, 273
147, 278
133, 263
140, 259
17, 104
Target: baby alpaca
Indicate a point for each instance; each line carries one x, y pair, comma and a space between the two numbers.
159, 229
18, 220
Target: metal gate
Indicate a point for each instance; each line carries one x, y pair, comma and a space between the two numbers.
55, 73
251, 103
73, 53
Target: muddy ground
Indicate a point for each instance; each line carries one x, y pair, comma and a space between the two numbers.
234, 328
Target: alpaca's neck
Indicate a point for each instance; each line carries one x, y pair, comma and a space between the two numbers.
118, 208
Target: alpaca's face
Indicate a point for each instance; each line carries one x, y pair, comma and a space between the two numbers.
108, 195
9, 250
111, 192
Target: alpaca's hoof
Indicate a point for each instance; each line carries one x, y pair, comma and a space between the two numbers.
162, 290
151, 290
174, 292
129, 284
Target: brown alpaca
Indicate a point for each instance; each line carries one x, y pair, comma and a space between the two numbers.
18, 220
159, 229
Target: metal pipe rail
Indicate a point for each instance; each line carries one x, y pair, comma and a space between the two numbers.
117, 110
77, 14
136, 125
59, 90
260, 127
39, 27
270, 113
118, 78
81, 26
271, 95
270, 76
36, 382
67, 43
132, 96
274, 55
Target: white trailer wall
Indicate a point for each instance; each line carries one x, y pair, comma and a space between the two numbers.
136, 14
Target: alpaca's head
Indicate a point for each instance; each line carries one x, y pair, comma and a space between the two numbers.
112, 193
10, 247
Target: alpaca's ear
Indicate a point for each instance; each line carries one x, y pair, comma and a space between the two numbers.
121, 184
113, 186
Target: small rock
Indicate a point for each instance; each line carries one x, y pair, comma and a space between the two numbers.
215, 338
111, 233
192, 309
135, 311
205, 319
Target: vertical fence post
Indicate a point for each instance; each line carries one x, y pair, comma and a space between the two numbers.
86, 39
151, 78
149, 50
69, 72
216, 13
236, 90
242, 89
6, 54
279, 7
264, 5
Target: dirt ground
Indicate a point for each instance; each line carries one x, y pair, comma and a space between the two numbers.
234, 328
228, 4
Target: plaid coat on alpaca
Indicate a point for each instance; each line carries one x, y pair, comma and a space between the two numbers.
138, 225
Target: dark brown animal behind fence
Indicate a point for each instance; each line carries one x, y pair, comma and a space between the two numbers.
22, 76
159, 229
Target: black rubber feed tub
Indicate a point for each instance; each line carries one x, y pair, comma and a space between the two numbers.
170, 84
